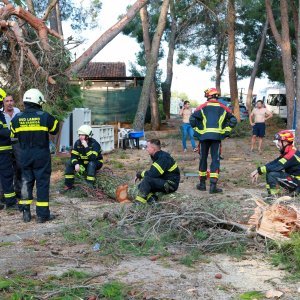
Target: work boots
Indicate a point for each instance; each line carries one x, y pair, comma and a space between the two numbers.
26, 213
43, 220
201, 186
213, 188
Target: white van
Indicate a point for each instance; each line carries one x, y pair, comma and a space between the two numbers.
276, 101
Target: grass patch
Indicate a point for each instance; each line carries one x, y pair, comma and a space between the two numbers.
252, 295
114, 290
288, 254
6, 244
235, 250
194, 256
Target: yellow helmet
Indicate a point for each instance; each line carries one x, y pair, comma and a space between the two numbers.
85, 129
2, 94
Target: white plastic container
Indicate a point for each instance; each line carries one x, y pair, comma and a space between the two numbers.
104, 134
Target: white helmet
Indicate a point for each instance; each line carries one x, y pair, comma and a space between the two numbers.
85, 129
34, 96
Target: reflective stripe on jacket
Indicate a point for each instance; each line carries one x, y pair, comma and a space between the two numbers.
212, 121
82, 155
163, 166
32, 127
289, 162
5, 141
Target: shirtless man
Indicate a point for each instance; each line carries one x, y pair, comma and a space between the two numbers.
260, 115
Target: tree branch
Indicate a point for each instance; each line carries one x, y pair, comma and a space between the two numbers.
30, 6
271, 19
49, 9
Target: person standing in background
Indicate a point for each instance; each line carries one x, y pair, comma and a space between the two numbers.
186, 127
260, 115
9, 112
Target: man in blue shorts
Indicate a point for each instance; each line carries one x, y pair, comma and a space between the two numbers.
260, 114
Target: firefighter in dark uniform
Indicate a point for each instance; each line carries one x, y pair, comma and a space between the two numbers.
285, 170
163, 175
86, 158
32, 128
212, 122
6, 162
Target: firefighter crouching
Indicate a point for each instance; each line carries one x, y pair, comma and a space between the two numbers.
6, 162
212, 122
283, 171
86, 157
163, 175
32, 128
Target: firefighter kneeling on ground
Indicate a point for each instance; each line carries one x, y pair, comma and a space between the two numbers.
86, 157
284, 171
163, 175
212, 122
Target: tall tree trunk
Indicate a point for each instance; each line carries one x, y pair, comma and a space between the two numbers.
155, 118
166, 86
104, 39
231, 59
53, 18
139, 119
256, 64
298, 82
58, 17
283, 41
219, 50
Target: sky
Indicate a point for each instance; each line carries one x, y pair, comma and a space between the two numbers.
187, 79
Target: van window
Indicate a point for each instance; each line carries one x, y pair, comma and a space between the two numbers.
277, 100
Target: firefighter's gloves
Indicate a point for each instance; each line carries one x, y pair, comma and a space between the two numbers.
138, 176
254, 176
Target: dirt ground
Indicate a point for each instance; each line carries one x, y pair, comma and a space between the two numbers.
42, 250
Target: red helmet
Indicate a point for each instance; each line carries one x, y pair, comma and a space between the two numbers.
285, 135
211, 93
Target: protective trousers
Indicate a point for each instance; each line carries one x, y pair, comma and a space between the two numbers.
150, 185
36, 168
6, 178
272, 181
90, 169
214, 147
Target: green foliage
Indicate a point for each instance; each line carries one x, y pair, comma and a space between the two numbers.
242, 129
288, 254
192, 257
252, 295
114, 290
75, 274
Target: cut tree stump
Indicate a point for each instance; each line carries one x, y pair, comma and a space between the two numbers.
276, 221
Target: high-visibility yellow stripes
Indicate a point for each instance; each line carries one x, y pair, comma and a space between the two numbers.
3, 148
143, 173
83, 157
158, 167
69, 176
31, 128
10, 195
282, 160
296, 176
213, 104
173, 167
213, 130
74, 160
274, 191
140, 199
263, 169
5, 126
267, 186
91, 178
25, 202
149, 195
74, 152
221, 120
214, 175
42, 203
92, 152
100, 160
54, 126
85, 162
202, 174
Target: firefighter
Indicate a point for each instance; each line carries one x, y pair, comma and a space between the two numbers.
285, 170
86, 158
163, 175
32, 128
212, 122
6, 163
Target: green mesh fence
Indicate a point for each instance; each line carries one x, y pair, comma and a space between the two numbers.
112, 106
